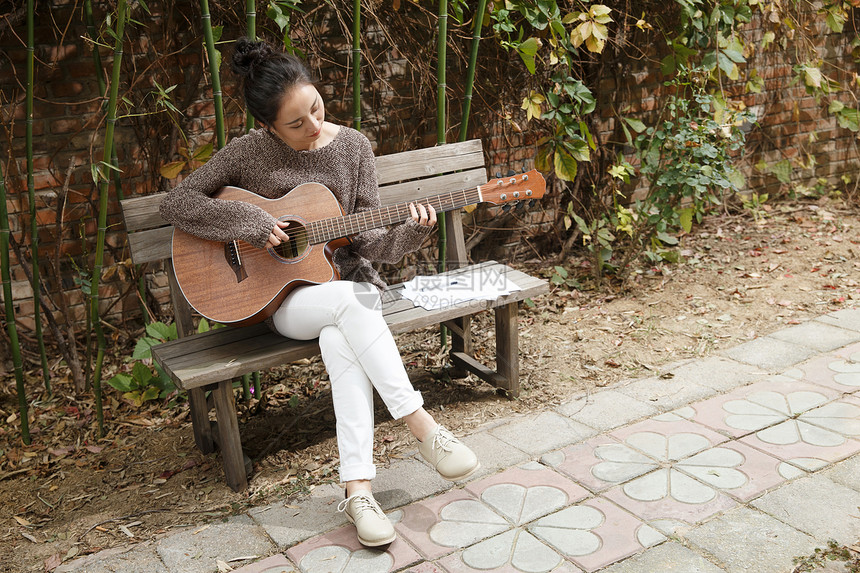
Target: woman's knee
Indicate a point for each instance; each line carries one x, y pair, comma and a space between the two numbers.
362, 296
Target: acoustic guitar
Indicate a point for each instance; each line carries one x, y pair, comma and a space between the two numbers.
237, 284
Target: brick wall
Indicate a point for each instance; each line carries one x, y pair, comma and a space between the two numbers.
398, 113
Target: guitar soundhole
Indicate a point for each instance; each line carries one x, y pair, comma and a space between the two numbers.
297, 244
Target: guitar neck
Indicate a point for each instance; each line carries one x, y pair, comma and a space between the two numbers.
325, 230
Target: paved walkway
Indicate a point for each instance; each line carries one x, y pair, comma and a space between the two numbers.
737, 462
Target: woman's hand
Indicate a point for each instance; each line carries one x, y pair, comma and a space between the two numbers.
424, 216
277, 236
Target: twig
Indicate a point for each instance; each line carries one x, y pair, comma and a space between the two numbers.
120, 519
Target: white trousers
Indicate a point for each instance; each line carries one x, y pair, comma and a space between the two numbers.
359, 354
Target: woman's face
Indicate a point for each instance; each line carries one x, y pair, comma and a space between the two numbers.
300, 118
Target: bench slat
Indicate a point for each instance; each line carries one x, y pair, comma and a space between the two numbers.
420, 163
141, 213
150, 245
412, 190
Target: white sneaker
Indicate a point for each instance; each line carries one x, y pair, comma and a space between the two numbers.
371, 524
451, 457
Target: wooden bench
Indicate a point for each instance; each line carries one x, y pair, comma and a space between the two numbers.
210, 361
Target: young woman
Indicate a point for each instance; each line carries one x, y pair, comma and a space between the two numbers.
296, 145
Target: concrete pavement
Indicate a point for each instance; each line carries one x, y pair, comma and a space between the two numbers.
736, 462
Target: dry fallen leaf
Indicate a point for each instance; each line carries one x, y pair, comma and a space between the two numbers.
22, 521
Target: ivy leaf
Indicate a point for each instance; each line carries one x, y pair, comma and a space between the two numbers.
734, 56
143, 348
581, 33
542, 159
203, 153
532, 105
686, 219
122, 382
172, 169
635, 124
527, 51
812, 76
782, 171
578, 149
141, 374
161, 331
565, 165
849, 118
150, 393
600, 13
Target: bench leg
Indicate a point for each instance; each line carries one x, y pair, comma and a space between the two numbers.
507, 348
461, 342
228, 434
200, 420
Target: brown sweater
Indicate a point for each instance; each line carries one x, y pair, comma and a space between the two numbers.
263, 164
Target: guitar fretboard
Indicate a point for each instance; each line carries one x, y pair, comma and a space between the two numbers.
325, 230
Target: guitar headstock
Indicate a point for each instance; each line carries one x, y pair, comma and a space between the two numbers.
519, 187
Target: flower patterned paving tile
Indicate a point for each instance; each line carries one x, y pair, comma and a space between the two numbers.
668, 437
274, 564
525, 493
814, 438
842, 416
595, 533
669, 494
514, 551
440, 525
737, 469
602, 462
339, 550
760, 405
666, 492
839, 370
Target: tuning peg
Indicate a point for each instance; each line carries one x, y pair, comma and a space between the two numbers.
511, 173
507, 207
498, 174
532, 203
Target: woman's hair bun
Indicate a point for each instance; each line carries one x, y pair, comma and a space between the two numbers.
247, 54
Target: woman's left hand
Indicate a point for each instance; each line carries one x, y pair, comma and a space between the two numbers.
425, 216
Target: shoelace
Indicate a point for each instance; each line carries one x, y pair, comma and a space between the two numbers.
443, 439
363, 501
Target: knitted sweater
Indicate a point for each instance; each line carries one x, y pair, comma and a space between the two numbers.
263, 164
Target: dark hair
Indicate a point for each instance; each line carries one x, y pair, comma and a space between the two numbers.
267, 75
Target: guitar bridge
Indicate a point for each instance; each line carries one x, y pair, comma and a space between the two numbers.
231, 253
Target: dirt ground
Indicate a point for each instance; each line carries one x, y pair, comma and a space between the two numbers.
70, 494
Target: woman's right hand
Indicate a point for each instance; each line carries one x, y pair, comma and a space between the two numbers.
277, 236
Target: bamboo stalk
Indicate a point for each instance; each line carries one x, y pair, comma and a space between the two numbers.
212, 55
356, 64
441, 136
104, 184
473, 64
9, 305
31, 193
251, 33
93, 34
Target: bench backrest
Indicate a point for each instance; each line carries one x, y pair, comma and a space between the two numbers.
402, 177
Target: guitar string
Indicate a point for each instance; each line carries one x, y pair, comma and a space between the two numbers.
325, 230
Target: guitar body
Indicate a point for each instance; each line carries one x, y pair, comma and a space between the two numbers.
235, 283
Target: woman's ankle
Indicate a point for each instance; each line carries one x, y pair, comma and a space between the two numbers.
420, 423
355, 486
